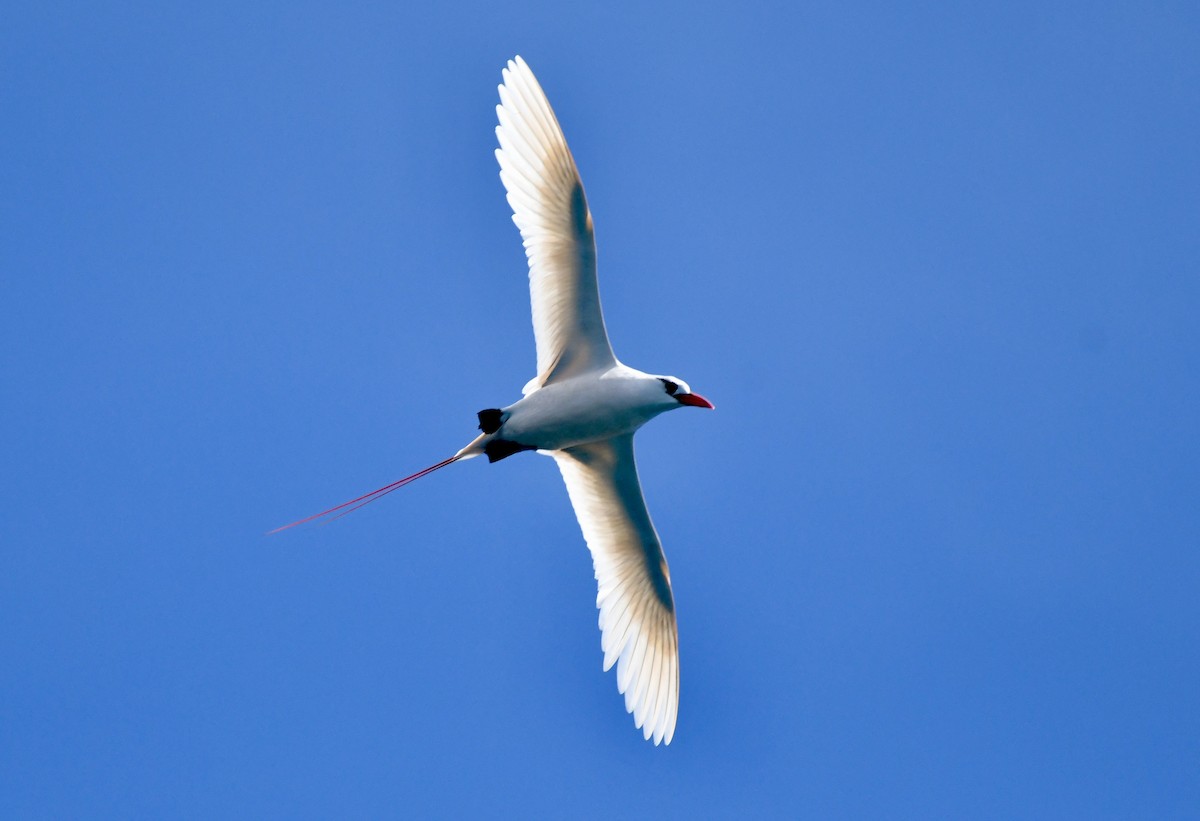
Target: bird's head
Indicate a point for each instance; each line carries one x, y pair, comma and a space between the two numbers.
678, 391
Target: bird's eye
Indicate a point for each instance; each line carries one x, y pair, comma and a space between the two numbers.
672, 387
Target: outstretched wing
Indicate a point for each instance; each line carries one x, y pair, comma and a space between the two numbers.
637, 610
551, 211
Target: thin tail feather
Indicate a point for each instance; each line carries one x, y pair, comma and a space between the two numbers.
379, 493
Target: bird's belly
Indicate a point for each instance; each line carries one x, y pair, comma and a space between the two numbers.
556, 417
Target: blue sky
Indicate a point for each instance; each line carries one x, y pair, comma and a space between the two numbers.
934, 555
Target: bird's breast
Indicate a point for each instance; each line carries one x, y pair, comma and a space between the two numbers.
575, 412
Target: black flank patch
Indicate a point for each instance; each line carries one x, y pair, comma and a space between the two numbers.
498, 449
490, 420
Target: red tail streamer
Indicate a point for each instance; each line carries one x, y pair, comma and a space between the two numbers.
367, 498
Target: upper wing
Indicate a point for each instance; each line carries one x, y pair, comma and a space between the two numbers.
637, 611
551, 211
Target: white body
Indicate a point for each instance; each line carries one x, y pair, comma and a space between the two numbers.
585, 409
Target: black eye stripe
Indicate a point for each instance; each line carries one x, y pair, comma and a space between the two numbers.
672, 387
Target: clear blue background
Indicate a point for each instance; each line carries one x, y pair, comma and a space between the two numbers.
935, 554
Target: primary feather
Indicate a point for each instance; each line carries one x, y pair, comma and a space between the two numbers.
637, 610
551, 211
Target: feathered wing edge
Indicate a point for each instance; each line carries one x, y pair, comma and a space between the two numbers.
637, 609
550, 209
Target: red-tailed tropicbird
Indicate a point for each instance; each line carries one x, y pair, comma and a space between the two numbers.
582, 408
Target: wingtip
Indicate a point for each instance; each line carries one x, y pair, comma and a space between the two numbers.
517, 66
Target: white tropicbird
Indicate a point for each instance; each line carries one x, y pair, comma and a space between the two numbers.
582, 408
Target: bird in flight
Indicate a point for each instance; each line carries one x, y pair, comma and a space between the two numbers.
582, 408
